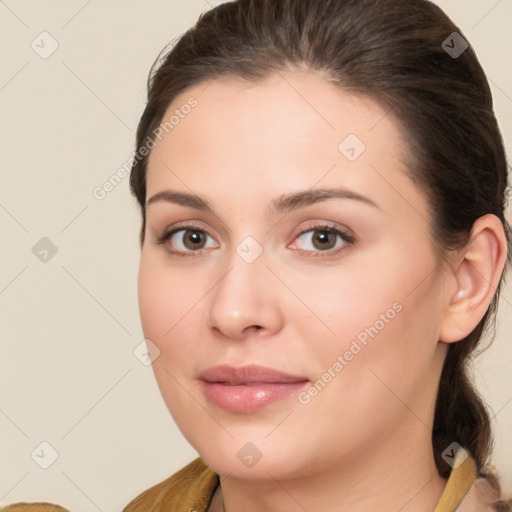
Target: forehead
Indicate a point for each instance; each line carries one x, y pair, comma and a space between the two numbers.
279, 112
289, 131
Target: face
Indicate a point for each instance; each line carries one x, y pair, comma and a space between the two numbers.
338, 289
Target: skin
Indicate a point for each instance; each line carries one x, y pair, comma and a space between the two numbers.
364, 442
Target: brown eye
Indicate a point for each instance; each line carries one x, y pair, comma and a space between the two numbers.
324, 239
184, 241
193, 239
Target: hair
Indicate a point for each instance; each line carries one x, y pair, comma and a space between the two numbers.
391, 51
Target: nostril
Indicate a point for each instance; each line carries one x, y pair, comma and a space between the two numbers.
254, 327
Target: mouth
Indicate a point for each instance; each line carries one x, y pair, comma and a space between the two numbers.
250, 374
245, 383
248, 388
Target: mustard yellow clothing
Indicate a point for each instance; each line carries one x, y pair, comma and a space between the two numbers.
191, 489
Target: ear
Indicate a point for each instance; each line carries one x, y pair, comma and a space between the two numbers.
477, 270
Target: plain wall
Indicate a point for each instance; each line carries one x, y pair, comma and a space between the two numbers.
69, 325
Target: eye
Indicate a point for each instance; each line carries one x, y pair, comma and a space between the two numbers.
185, 240
190, 240
328, 240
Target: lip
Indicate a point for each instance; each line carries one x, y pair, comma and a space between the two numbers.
245, 374
248, 388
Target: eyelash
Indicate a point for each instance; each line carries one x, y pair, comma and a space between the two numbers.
348, 239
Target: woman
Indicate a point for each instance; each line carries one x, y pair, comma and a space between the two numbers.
322, 188
323, 242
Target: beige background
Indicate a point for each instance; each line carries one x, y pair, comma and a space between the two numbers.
68, 375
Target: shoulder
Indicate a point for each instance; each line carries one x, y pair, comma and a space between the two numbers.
192, 488
465, 491
482, 497
33, 507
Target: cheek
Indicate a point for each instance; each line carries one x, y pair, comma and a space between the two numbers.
172, 317
166, 300
165, 306
165, 293
381, 355
155, 300
382, 316
344, 304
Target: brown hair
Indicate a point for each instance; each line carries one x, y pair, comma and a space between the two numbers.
393, 52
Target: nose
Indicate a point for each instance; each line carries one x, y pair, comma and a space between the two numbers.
245, 302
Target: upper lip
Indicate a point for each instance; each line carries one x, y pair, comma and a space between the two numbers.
249, 373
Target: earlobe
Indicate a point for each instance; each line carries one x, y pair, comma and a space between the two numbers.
477, 272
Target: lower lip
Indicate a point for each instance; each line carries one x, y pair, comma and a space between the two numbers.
248, 398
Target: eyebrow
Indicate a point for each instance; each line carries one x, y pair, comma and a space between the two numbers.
282, 204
